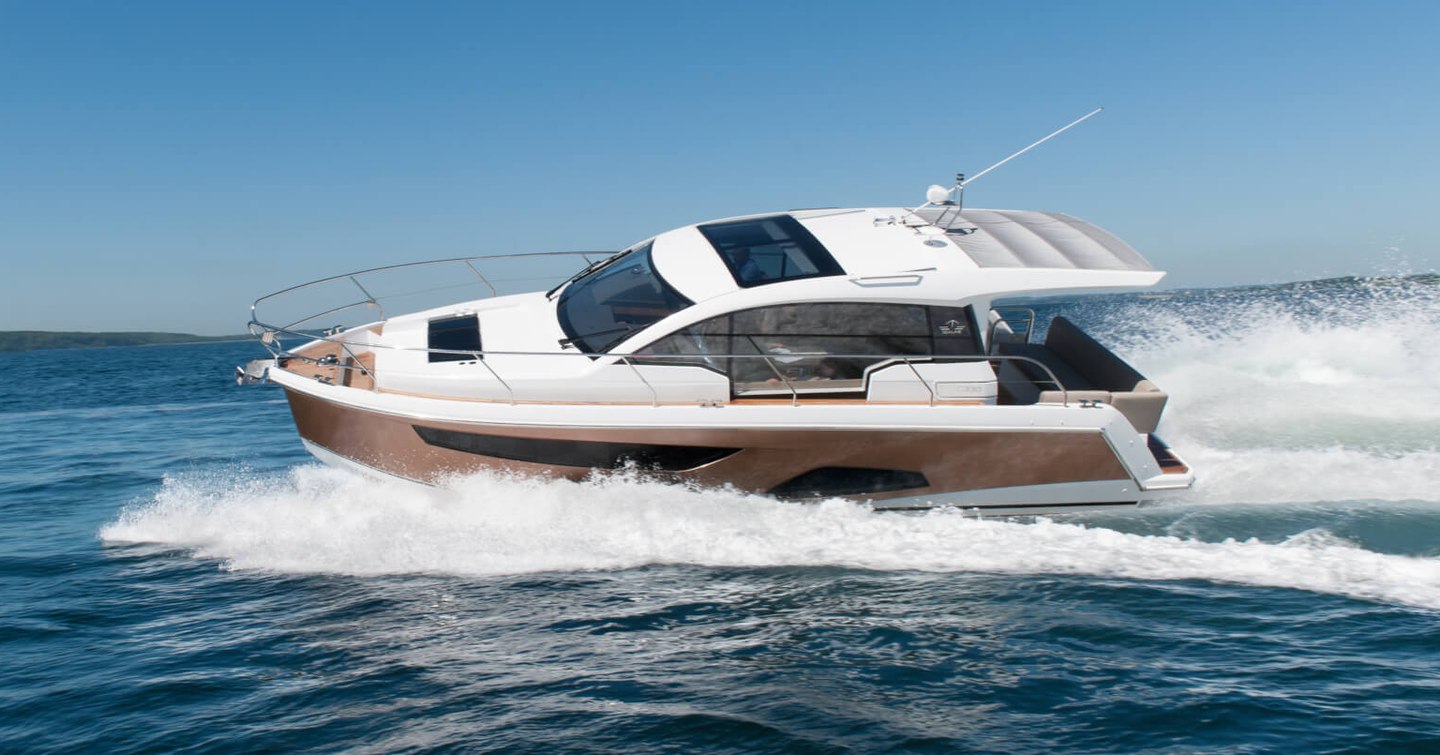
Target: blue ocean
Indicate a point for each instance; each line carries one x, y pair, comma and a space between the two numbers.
177, 574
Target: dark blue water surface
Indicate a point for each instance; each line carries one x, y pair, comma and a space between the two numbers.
177, 574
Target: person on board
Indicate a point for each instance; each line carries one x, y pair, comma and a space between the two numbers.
745, 267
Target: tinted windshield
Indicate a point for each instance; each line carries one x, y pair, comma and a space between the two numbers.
604, 307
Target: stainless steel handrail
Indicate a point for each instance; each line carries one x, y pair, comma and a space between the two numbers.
634, 360
270, 334
370, 299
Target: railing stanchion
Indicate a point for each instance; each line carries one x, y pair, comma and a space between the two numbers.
654, 395
923, 383
794, 394
345, 347
480, 357
369, 297
482, 278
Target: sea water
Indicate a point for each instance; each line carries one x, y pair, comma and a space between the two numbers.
177, 574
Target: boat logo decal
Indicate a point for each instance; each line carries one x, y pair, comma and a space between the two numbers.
953, 328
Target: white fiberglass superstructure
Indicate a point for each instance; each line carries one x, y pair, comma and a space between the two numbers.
853, 353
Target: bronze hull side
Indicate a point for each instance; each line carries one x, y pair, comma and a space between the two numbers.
951, 461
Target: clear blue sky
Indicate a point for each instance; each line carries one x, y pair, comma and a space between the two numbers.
162, 164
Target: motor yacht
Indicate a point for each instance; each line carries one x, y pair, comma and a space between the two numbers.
860, 353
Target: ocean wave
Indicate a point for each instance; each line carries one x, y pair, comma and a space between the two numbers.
108, 412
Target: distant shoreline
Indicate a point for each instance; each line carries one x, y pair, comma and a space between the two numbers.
35, 340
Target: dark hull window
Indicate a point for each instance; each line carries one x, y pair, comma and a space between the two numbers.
833, 481
574, 453
454, 334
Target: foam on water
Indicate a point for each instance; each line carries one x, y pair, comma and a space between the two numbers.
318, 520
1315, 392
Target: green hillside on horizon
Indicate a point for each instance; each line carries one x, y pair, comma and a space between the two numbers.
31, 340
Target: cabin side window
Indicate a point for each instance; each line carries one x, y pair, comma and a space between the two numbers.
819, 347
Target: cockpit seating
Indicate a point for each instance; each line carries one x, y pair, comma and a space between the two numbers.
1086, 371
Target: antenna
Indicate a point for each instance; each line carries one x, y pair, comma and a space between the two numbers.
958, 190
1052, 135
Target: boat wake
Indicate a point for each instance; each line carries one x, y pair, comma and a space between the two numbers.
1319, 391
320, 520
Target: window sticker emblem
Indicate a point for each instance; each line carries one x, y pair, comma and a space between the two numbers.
953, 328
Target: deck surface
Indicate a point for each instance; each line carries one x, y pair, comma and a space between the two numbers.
328, 362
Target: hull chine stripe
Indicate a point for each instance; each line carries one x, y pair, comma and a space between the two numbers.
575, 453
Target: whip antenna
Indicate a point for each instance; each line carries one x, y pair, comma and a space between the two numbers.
1052, 135
954, 196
